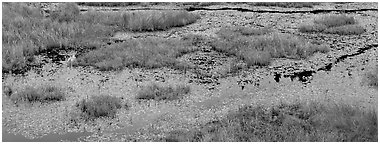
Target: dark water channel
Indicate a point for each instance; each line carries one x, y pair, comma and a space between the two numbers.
306, 76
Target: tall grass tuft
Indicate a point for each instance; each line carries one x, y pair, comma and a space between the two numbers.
99, 106
261, 45
147, 53
312, 122
45, 93
333, 24
156, 20
157, 92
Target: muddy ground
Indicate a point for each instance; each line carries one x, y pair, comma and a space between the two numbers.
334, 76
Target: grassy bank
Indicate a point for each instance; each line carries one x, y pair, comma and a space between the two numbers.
306, 122
26, 32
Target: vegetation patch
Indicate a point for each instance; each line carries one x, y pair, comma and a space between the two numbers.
286, 4
156, 20
333, 24
99, 106
45, 93
288, 122
157, 92
148, 53
260, 45
370, 78
26, 32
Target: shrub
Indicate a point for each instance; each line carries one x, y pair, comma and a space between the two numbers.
287, 4
289, 122
43, 94
156, 92
148, 53
99, 106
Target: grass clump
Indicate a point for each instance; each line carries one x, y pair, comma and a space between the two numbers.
99, 106
26, 32
46, 93
157, 92
260, 45
287, 4
333, 24
156, 20
290, 123
147, 53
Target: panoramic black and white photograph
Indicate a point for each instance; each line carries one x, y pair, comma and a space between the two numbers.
182, 71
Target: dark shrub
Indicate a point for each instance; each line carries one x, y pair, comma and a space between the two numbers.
100, 106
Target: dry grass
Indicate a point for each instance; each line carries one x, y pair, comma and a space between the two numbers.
157, 92
99, 106
45, 93
148, 53
333, 24
260, 46
296, 122
27, 33
156, 20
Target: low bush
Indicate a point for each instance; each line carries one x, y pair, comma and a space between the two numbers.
156, 92
333, 24
258, 49
46, 93
147, 53
288, 123
99, 106
286, 4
